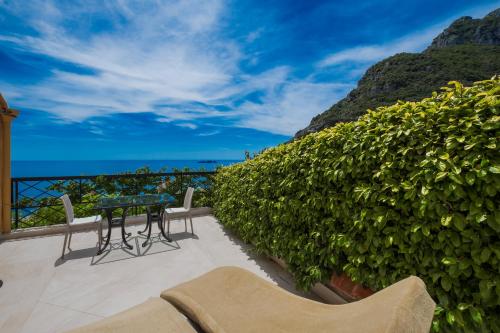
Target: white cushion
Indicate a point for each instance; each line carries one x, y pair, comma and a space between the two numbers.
89, 219
175, 210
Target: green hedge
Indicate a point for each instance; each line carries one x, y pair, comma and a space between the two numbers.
409, 189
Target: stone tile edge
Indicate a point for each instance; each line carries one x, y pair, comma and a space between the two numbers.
61, 228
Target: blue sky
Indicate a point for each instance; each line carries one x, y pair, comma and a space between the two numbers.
193, 79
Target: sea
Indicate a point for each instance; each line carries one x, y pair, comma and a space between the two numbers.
107, 167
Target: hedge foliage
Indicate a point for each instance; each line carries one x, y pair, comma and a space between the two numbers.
409, 189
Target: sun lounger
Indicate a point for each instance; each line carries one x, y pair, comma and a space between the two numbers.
231, 299
154, 315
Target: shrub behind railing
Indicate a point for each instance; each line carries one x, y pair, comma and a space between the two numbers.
36, 199
409, 189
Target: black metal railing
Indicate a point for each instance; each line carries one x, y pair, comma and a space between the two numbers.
35, 200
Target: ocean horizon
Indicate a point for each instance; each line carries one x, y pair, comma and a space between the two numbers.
54, 168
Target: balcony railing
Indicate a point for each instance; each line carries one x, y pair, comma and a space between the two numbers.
35, 200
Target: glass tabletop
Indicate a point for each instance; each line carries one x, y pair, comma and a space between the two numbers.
134, 200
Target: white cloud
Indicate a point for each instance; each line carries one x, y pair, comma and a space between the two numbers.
187, 125
209, 133
168, 60
174, 59
290, 107
96, 131
414, 42
254, 35
131, 84
164, 120
163, 52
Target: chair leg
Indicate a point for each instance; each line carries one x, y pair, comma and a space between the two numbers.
64, 245
191, 221
185, 223
168, 225
69, 240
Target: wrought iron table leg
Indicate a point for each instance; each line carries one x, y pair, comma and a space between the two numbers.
146, 228
149, 224
130, 247
160, 224
109, 216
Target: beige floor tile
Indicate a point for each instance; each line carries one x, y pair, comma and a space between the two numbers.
48, 318
85, 287
22, 286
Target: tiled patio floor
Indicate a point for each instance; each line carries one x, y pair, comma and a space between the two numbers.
42, 293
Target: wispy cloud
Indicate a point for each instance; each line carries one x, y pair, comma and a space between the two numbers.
371, 53
413, 42
174, 59
187, 125
209, 133
163, 60
96, 131
291, 105
161, 52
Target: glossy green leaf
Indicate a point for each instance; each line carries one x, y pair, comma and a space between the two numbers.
476, 315
446, 220
408, 189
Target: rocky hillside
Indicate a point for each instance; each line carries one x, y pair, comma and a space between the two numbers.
467, 30
467, 51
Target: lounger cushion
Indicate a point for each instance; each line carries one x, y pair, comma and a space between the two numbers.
230, 299
154, 315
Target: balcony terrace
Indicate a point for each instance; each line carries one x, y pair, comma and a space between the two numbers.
43, 293
407, 193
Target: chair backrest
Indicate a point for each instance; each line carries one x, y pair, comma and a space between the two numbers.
188, 198
161, 188
68, 208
